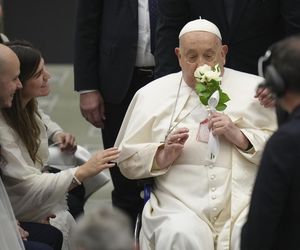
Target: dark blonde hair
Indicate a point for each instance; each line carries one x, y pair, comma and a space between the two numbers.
23, 120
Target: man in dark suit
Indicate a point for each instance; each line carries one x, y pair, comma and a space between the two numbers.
248, 27
273, 219
112, 61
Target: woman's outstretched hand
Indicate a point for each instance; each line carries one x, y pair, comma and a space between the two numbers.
97, 163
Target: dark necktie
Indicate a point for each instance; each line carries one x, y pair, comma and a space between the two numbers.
153, 17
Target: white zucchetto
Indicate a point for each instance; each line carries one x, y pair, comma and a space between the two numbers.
200, 25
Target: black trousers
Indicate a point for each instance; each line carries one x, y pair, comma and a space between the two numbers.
42, 233
126, 193
34, 245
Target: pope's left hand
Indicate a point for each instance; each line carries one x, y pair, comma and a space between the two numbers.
66, 142
222, 125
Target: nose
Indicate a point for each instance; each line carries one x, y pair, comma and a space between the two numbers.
47, 75
19, 84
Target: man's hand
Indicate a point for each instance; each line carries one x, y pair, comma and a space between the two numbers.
221, 125
92, 108
265, 97
172, 148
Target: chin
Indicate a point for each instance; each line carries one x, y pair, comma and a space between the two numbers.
7, 104
45, 93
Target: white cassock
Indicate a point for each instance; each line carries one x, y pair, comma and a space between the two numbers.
196, 203
35, 195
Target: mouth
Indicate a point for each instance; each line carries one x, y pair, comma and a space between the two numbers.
45, 85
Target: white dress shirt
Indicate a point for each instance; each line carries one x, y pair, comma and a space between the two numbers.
144, 56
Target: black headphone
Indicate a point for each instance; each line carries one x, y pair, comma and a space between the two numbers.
273, 80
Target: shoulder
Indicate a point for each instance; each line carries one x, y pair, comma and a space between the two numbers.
240, 82
161, 87
236, 75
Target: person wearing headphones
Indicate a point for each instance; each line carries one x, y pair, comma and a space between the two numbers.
273, 219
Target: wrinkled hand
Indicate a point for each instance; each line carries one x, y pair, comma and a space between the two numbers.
23, 233
172, 148
265, 97
66, 142
222, 125
92, 108
98, 162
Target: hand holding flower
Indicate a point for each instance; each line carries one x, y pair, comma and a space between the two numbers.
222, 125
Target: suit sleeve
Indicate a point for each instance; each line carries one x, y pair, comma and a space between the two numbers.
172, 16
87, 32
270, 194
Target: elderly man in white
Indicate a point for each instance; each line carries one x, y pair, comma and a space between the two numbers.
197, 202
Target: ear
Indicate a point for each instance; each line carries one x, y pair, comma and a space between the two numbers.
178, 54
224, 52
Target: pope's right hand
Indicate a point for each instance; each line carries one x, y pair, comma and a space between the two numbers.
171, 150
92, 108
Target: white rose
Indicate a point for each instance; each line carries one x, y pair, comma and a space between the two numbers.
213, 75
199, 73
204, 68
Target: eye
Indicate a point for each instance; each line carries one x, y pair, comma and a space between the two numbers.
38, 74
209, 57
192, 58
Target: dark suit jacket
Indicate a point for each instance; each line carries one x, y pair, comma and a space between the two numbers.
256, 24
273, 220
105, 46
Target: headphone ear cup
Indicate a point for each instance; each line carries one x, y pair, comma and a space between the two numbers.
274, 81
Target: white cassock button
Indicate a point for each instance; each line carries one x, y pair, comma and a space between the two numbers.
214, 197
213, 189
215, 209
212, 177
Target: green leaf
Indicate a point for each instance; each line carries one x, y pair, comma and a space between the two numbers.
204, 99
200, 88
221, 106
214, 82
224, 97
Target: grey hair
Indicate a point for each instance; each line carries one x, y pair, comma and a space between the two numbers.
104, 228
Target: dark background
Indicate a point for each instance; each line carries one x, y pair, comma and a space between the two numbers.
47, 24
